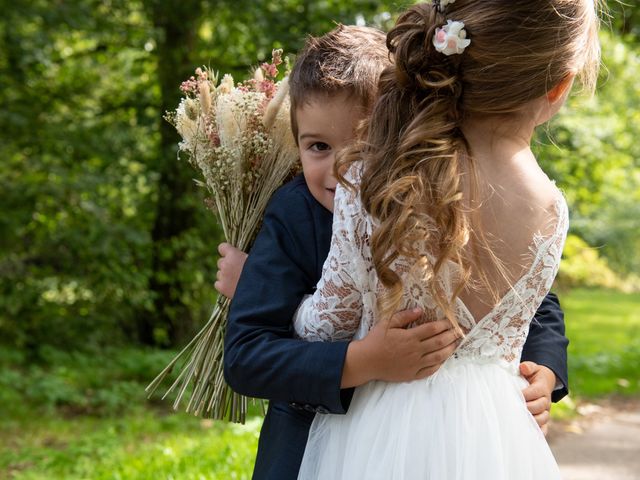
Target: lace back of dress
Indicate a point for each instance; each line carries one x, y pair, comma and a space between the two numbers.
501, 333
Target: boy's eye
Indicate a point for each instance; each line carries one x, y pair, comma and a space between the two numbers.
320, 147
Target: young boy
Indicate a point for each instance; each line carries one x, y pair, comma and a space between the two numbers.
333, 86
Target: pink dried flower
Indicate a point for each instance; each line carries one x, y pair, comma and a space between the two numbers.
189, 86
270, 69
267, 87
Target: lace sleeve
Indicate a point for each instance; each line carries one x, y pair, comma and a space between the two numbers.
334, 311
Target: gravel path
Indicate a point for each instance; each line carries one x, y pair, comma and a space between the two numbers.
603, 445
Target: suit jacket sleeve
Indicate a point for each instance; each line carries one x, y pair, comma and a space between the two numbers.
261, 357
547, 343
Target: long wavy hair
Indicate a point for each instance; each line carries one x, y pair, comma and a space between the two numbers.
418, 178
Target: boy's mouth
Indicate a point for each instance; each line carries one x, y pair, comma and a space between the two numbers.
332, 190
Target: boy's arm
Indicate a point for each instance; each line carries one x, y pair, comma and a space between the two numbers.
263, 360
261, 357
546, 344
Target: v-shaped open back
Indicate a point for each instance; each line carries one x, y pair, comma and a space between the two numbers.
537, 249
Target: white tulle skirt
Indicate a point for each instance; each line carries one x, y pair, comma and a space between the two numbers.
467, 422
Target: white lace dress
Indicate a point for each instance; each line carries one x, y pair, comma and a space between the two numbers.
466, 422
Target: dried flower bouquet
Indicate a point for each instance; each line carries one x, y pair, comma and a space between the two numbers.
239, 138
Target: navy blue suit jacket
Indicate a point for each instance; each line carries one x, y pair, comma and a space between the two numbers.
262, 359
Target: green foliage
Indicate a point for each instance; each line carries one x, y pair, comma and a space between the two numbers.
79, 138
583, 266
234, 35
90, 243
74, 181
591, 149
100, 382
77, 415
624, 17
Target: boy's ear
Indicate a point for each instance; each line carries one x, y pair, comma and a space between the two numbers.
561, 90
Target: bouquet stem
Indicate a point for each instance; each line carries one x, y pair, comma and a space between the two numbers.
210, 396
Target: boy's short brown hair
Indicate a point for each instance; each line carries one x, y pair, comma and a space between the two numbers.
347, 59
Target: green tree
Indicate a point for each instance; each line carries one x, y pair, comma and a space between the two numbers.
591, 149
78, 130
103, 236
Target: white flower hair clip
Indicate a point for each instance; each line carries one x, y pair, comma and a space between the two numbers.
451, 38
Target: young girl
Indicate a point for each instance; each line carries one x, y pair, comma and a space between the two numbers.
451, 213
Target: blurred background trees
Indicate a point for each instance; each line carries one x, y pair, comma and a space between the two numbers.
103, 237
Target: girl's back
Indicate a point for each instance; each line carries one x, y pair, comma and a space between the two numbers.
516, 204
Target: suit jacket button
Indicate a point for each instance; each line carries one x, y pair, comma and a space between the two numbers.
295, 406
310, 408
321, 409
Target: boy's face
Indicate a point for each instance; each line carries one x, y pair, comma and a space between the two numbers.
326, 125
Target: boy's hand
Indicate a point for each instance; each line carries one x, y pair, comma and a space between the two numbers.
229, 269
394, 353
542, 381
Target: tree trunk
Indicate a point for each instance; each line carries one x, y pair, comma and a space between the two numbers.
176, 23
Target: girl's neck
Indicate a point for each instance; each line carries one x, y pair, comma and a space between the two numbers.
498, 137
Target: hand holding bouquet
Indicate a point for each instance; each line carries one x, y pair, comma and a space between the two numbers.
239, 138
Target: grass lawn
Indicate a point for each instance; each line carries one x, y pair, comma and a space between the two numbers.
84, 416
604, 351
77, 415
140, 445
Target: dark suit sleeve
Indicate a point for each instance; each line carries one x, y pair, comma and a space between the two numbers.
547, 344
261, 357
